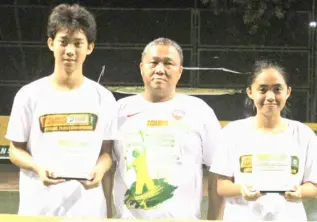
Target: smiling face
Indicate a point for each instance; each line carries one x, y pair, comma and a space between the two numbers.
269, 92
70, 49
161, 69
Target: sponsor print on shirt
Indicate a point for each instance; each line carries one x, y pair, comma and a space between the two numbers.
64, 122
151, 150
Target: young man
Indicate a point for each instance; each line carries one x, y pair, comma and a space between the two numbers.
62, 126
164, 139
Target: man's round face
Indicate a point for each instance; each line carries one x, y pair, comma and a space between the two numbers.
161, 68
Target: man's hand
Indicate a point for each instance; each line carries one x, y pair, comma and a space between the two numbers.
47, 176
249, 194
96, 176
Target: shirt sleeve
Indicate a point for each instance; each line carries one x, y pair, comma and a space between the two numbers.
20, 120
310, 171
210, 135
221, 161
111, 129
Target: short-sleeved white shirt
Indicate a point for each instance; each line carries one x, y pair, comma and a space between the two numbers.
54, 123
160, 152
240, 141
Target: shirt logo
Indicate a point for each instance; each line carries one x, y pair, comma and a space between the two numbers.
66, 122
133, 114
178, 114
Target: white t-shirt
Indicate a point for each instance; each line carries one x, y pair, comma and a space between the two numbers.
235, 155
62, 124
160, 152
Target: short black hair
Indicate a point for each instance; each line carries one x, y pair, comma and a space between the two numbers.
72, 17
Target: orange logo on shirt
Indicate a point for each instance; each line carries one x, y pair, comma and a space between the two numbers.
178, 114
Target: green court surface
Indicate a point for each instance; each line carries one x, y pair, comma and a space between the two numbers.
9, 202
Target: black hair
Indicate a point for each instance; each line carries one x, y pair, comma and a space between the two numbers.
72, 18
258, 67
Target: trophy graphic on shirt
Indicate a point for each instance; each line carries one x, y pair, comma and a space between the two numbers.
145, 192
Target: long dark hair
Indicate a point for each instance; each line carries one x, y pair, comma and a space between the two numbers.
258, 67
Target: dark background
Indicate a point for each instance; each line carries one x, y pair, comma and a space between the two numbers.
209, 39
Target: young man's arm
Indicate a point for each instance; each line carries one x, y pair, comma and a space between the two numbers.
111, 133
215, 201
18, 133
103, 165
107, 185
20, 157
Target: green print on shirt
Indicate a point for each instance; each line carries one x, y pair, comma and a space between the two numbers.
145, 192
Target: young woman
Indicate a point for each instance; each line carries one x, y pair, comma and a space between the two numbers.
266, 152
